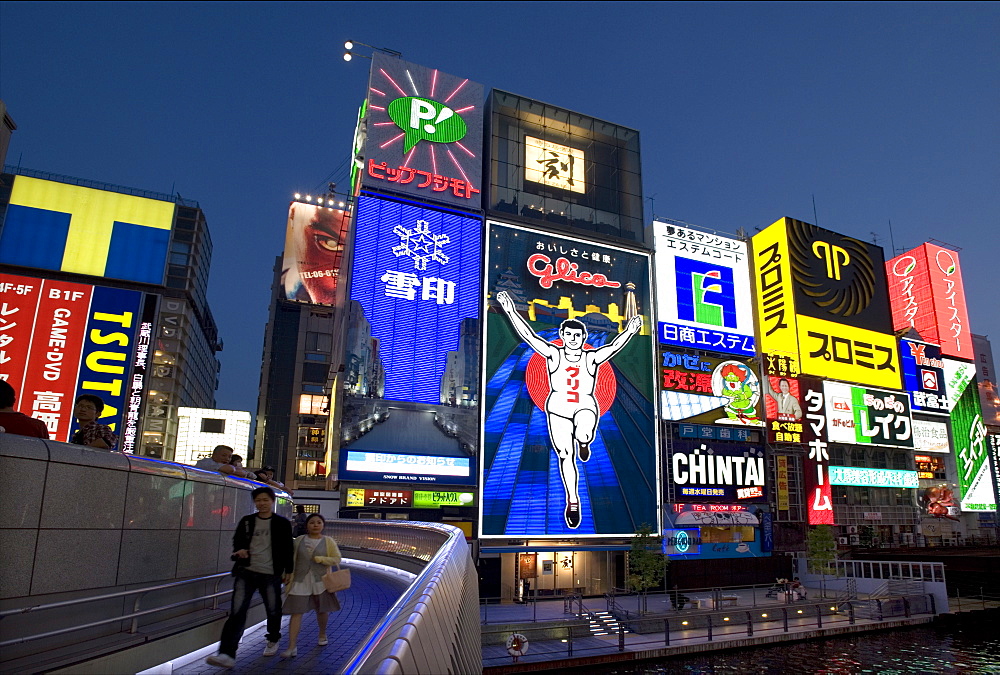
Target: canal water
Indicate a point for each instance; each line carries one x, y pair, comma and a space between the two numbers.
971, 645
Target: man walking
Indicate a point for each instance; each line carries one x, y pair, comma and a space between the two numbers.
571, 407
263, 551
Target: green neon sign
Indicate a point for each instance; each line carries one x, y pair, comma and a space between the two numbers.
423, 119
423, 499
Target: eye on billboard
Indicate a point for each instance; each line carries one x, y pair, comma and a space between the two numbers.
569, 426
972, 451
80, 339
424, 133
927, 293
706, 389
822, 305
704, 286
410, 377
314, 252
57, 226
866, 416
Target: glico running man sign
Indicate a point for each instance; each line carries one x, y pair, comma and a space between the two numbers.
569, 430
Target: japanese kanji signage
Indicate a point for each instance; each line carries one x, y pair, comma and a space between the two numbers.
704, 291
413, 323
924, 377
781, 463
568, 385
819, 497
60, 339
930, 436
822, 307
706, 389
849, 475
867, 416
969, 436
554, 165
424, 133
926, 292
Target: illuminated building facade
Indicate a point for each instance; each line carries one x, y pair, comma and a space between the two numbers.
120, 284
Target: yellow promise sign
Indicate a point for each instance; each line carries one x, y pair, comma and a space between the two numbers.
846, 353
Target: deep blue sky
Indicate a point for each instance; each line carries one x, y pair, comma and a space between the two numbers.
882, 111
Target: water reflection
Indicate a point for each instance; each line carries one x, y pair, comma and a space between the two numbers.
972, 646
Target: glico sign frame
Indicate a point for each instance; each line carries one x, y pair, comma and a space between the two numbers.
822, 305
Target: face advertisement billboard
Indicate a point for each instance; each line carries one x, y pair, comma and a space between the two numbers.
975, 479
822, 306
708, 390
80, 339
424, 133
412, 329
865, 416
314, 251
783, 408
704, 291
569, 426
924, 376
926, 292
70, 228
717, 472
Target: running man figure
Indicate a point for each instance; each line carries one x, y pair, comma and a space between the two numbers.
571, 407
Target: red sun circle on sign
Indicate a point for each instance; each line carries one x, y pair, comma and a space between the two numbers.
536, 377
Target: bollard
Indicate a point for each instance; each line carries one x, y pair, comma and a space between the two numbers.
749, 625
906, 608
621, 637
850, 612
784, 611
879, 609
666, 632
709, 617
819, 616
569, 640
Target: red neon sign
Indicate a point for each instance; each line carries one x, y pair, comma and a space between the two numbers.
564, 270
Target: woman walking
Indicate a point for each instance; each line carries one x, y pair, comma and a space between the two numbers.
314, 554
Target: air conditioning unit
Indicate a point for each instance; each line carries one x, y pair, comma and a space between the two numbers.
842, 541
855, 540
369, 515
852, 529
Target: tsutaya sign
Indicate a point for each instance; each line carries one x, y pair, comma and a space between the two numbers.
926, 291
424, 133
822, 305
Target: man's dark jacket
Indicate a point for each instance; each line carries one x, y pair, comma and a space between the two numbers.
282, 542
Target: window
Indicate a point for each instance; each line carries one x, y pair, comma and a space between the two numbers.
312, 388
313, 404
319, 342
314, 372
316, 357
213, 426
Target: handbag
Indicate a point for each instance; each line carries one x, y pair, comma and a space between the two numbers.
337, 579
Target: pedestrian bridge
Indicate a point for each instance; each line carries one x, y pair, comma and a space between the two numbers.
116, 563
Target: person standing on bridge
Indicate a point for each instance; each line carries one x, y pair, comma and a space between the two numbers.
314, 554
262, 550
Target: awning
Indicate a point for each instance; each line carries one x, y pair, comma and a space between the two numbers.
715, 519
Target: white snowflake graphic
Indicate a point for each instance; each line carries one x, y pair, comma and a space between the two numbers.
420, 244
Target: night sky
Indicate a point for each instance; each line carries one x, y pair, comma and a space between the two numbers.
881, 111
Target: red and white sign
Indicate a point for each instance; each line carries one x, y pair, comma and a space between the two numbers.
18, 299
926, 292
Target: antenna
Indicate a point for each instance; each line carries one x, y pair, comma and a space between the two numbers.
815, 217
892, 240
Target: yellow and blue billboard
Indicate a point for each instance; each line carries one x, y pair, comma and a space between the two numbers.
71, 228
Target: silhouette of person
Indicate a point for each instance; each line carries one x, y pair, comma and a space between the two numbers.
571, 407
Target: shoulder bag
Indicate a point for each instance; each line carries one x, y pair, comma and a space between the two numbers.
336, 579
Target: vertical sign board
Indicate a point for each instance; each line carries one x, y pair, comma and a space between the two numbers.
424, 133
995, 466
704, 291
569, 426
782, 482
81, 340
314, 250
927, 293
412, 328
972, 451
819, 497
822, 305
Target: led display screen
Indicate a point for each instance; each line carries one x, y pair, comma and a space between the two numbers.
849, 475
866, 416
707, 389
924, 376
314, 251
569, 426
822, 305
68, 339
703, 282
717, 472
424, 133
926, 293
969, 436
384, 467
56, 226
411, 368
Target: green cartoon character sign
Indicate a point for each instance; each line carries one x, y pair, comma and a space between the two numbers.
736, 382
